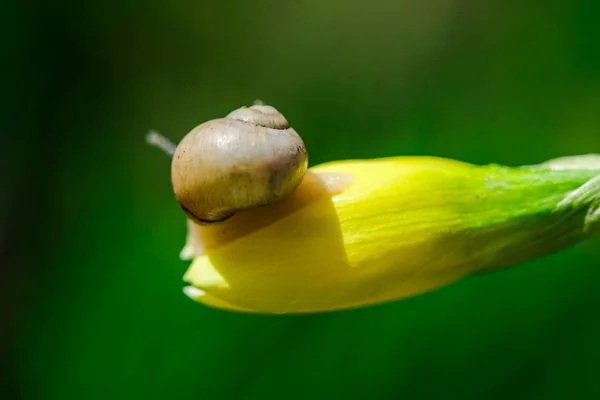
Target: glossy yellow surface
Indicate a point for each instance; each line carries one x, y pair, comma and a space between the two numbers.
390, 229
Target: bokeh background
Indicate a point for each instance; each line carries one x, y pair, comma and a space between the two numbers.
90, 290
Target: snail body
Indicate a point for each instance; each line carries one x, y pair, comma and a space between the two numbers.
248, 159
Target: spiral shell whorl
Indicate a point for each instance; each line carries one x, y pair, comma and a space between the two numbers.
261, 115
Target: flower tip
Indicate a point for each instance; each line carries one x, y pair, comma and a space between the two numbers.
193, 292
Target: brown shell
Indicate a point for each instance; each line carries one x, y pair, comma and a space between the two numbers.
248, 159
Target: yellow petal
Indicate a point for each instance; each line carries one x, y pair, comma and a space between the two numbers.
315, 252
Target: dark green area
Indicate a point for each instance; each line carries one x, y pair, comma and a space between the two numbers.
91, 293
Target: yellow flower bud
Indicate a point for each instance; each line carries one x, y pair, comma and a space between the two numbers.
357, 233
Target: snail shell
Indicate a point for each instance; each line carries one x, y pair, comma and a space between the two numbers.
250, 158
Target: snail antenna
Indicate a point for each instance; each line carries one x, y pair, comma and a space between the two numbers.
155, 139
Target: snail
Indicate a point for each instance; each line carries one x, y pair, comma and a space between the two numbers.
249, 158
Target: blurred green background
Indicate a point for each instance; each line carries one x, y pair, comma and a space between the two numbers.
91, 282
